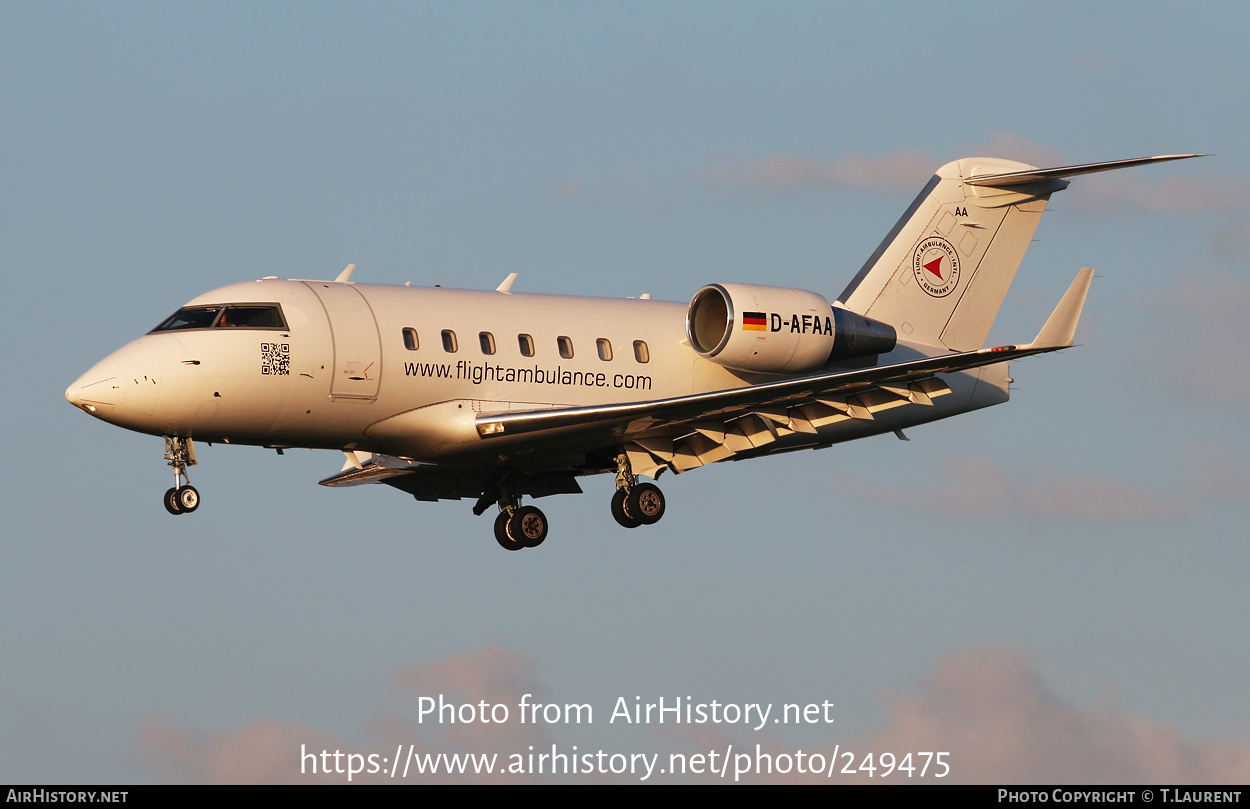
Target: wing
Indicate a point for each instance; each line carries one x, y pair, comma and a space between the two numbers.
711, 426
799, 404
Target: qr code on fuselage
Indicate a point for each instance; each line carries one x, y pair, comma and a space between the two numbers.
275, 359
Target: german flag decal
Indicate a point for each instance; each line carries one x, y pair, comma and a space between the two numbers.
754, 321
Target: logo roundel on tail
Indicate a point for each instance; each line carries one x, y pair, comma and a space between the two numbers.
936, 266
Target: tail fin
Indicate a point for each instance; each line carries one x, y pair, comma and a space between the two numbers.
941, 274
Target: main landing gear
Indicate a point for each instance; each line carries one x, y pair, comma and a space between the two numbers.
518, 526
634, 503
183, 498
525, 527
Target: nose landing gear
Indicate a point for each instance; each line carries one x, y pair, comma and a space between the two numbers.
183, 498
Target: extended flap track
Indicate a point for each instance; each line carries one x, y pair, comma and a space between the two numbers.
709, 442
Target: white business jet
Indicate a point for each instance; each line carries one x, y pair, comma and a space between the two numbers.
450, 394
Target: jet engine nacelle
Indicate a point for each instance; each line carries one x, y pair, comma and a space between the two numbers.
778, 330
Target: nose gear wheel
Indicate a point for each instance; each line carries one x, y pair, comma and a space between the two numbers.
183, 498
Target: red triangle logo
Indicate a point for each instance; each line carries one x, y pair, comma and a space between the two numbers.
935, 267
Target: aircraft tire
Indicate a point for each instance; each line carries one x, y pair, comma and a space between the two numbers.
501, 534
171, 502
188, 498
645, 503
529, 526
618, 511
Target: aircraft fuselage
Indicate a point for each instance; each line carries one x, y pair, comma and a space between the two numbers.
405, 371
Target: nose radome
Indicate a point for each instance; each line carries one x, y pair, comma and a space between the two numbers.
94, 389
73, 394
125, 382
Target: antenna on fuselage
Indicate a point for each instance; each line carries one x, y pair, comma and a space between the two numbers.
345, 274
506, 286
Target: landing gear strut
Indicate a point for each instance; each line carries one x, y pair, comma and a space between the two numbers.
518, 526
183, 498
634, 503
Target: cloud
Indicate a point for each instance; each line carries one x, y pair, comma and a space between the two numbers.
268, 751
904, 170
495, 675
1014, 146
263, 752
1137, 190
1217, 472
1230, 239
1000, 722
1093, 61
907, 170
997, 722
899, 171
973, 487
1201, 340
987, 707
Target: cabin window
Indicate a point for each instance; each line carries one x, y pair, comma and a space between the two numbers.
488, 342
566, 347
449, 341
605, 349
640, 351
527, 345
410, 339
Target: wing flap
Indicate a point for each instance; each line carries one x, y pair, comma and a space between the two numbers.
365, 467
769, 401
357, 477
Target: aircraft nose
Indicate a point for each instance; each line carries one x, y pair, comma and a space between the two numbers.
123, 385
94, 390
74, 394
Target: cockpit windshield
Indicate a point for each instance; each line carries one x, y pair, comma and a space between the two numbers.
228, 316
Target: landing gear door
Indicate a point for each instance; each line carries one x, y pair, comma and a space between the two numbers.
357, 362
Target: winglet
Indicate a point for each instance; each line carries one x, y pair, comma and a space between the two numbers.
506, 286
1061, 325
345, 274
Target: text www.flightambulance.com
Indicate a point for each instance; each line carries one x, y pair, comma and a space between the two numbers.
478, 373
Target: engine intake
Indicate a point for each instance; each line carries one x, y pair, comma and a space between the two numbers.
778, 330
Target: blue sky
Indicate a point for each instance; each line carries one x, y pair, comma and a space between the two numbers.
1062, 575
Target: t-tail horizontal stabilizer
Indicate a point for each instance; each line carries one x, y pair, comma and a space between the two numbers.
1061, 325
1036, 175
